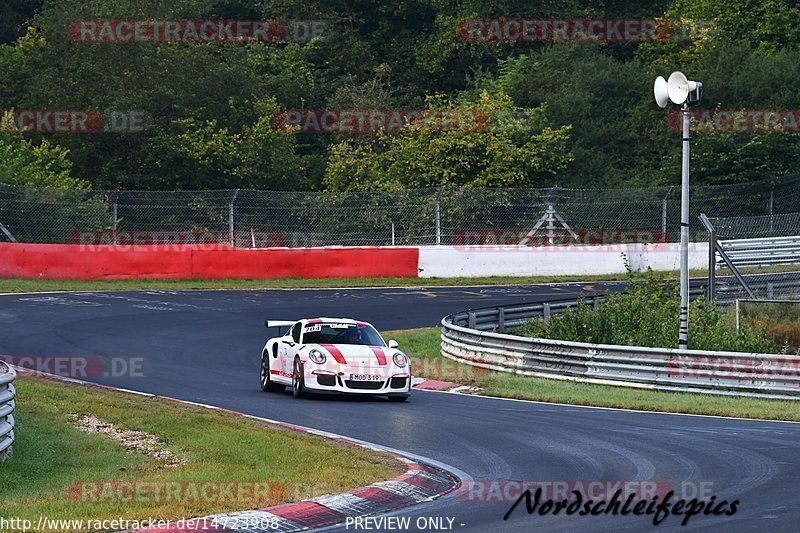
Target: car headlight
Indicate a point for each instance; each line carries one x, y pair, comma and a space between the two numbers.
316, 356
400, 359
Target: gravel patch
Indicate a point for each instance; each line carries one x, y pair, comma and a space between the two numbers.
131, 440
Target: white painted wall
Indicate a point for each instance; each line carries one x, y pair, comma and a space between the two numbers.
478, 261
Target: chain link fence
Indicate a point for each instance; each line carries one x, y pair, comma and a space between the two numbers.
447, 216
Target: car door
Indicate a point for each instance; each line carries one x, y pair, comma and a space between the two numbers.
287, 349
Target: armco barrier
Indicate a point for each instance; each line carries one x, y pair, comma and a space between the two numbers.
64, 261
472, 337
7, 395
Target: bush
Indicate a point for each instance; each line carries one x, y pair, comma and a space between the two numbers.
646, 314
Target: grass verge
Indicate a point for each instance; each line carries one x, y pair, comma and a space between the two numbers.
44, 285
60, 472
423, 347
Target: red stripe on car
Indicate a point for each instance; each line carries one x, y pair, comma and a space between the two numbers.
335, 353
378, 351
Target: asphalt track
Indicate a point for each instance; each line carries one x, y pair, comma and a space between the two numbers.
204, 346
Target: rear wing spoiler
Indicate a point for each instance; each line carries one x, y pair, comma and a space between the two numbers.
279, 323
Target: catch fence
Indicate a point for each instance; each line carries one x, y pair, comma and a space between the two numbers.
418, 217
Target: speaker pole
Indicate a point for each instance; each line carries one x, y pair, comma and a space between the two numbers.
683, 331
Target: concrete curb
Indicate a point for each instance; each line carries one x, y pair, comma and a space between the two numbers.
420, 482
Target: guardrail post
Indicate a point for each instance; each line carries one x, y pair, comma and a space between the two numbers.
471, 320
770, 290
501, 319
546, 311
595, 303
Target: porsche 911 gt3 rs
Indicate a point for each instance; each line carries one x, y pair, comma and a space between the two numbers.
334, 355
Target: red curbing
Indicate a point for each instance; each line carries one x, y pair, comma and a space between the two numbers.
90, 262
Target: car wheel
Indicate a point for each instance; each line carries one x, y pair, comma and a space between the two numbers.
266, 382
298, 389
398, 398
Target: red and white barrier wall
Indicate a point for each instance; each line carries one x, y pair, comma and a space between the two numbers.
475, 261
73, 261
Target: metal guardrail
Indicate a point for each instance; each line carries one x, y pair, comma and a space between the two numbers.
764, 252
476, 338
7, 395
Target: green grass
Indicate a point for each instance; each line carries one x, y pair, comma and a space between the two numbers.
423, 346
781, 320
36, 285
51, 455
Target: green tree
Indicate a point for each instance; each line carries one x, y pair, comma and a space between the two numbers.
500, 145
24, 164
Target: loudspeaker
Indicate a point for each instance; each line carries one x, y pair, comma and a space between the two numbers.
660, 91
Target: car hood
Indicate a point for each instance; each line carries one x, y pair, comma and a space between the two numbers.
356, 354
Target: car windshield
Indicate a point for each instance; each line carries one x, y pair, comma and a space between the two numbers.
341, 333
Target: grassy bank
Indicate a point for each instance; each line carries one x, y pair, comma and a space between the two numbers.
54, 462
423, 346
35, 285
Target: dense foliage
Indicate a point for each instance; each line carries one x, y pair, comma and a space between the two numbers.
646, 314
571, 114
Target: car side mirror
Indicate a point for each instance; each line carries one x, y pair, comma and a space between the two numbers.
393, 344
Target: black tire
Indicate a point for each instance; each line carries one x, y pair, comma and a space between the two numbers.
398, 398
298, 386
266, 381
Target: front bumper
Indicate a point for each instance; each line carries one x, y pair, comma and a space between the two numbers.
396, 382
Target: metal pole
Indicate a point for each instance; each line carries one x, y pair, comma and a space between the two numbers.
683, 329
392, 233
7, 233
771, 206
664, 214
438, 217
230, 218
712, 264
114, 222
550, 225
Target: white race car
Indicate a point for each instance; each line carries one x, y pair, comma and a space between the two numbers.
334, 355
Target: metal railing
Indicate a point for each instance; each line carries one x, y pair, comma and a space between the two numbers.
476, 338
7, 395
764, 252
766, 249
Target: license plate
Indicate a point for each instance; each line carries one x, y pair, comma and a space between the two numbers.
365, 377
